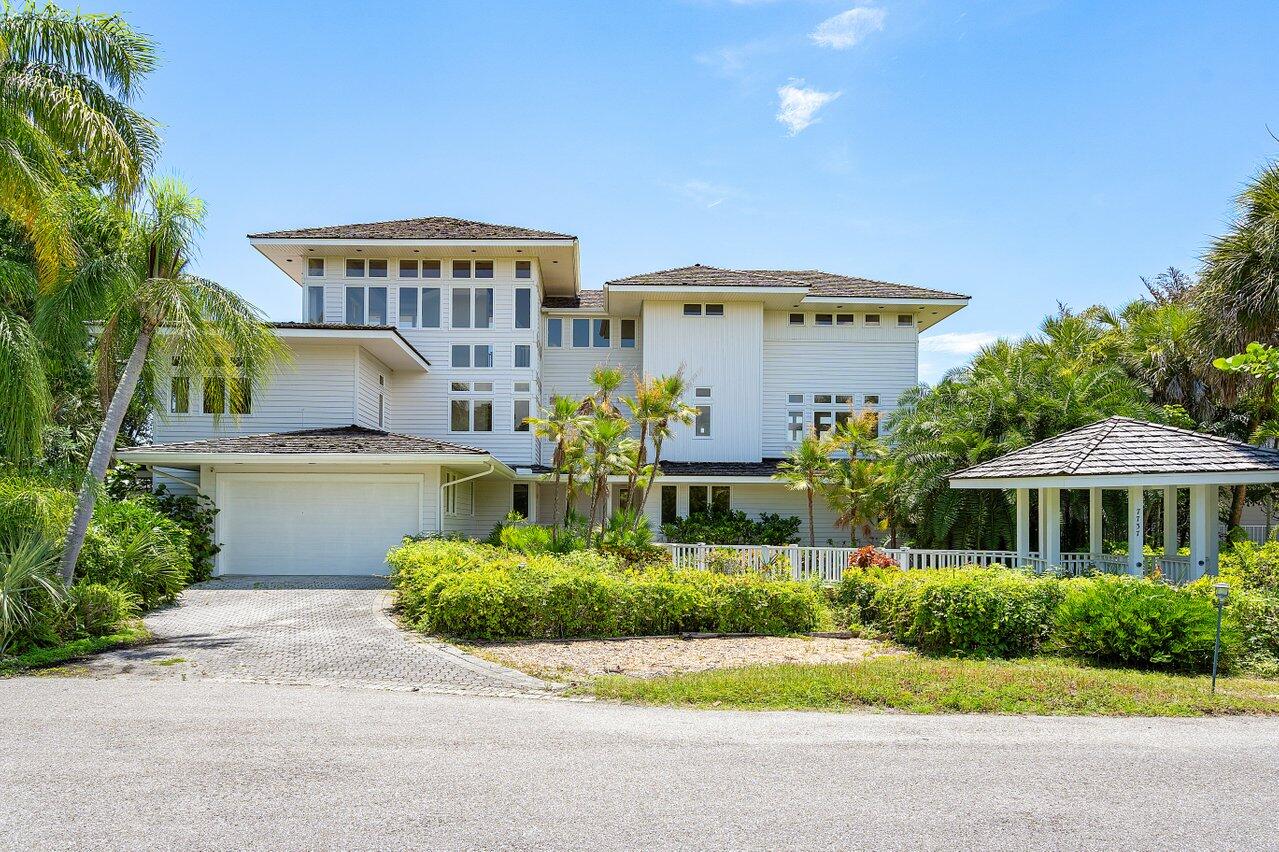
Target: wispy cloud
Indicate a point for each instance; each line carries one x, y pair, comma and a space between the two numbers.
734, 61
939, 353
706, 194
846, 29
797, 108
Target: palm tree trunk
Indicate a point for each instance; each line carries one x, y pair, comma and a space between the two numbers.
812, 529
555, 501
641, 456
102, 449
648, 489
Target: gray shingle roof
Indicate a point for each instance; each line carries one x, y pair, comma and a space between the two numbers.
426, 228
337, 326
1122, 446
338, 439
589, 300
767, 467
816, 282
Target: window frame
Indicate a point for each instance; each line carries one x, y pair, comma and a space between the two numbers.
718, 312
797, 319
528, 498
323, 267
824, 320
559, 333
364, 267
909, 320
601, 329
871, 320
692, 309
515, 356
520, 424
526, 293
528, 264
634, 336
581, 322
365, 303
311, 289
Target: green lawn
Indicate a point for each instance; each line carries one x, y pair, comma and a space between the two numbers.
131, 634
917, 684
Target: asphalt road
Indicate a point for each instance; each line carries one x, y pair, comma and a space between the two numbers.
128, 763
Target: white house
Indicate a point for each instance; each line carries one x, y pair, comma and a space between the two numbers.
425, 343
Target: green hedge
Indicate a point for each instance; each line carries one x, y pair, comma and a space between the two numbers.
479, 591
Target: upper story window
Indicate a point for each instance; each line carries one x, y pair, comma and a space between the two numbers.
796, 319
872, 319
419, 269
221, 396
315, 303
461, 269
523, 307
554, 332
522, 387
522, 412
381, 401
315, 267
355, 267
628, 333
472, 307
702, 422
823, 319
473, 412
425, 298
906, 319
483, 269
581, 333
709, 310
430, 269
366, 306
377, 268
691, 310
714, 310
599, 333
358, 267
523, 269
843, 319
179, 392
409, 268
523, 355
479, 355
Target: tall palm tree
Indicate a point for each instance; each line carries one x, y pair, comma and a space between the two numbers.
803, 469
856, 492
154, 298
66, 80
608, 452
670, 412
658, 402
606, 380
559, 424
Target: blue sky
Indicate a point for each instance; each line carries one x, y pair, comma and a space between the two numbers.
1022, 152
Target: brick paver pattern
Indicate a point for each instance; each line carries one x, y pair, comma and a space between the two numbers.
325, 631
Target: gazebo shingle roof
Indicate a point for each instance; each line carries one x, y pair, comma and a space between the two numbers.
339, 439
1121, 446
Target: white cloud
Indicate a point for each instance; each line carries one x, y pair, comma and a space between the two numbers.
798, 106
706, 194
939, 353
734, 61
848, 28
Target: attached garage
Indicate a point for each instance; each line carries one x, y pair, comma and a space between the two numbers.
305, 523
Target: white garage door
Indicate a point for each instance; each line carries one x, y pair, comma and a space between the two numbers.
314, 523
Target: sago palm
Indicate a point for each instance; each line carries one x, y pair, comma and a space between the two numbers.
154, 298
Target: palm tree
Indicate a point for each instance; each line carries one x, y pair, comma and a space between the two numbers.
803, 469
66, 80
559, 424
670, 411
211, 331
658, 402
855, 491
608, 451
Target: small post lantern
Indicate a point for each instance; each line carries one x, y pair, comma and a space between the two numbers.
1222, 592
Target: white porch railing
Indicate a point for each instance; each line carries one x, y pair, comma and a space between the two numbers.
828, 563
1257, 533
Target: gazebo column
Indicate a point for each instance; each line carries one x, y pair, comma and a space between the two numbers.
1170, 521
1023, 525
1203, 530
1095, 544
1050, 500
1136, 530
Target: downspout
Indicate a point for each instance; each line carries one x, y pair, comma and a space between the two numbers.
439, 509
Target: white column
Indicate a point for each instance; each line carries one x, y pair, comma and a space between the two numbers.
1203, 530
1052, 535
1136, 530
1041, 543
1023, 524
1095, 543
1170, 520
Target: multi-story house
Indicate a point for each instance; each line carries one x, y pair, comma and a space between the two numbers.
424, 345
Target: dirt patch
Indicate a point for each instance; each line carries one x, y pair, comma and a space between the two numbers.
651, 657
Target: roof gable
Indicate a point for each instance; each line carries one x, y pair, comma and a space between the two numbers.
425, 228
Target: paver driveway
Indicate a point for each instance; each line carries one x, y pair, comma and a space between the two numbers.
326, 631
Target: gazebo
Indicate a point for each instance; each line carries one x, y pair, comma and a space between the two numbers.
1133, 455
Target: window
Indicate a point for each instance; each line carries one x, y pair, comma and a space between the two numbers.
669, 504
628, 334
721, 501
714, 310
430, 307
796, 319
702, 423
355, 305
821, 399
315, 267
482, 415
523, 308
872, 319
461, 269
315, 303
377, 268
702, 393
459, 386
698, 500
381, 401
522, 387
483, 307
408, 307
483, 269
523, 269
460, 415
462, 307
470, 415
430, 269
581, 333
692, 310
451, 494
843, 319
214, 396
519, 498
483, 355
795, 399
523, 355
823, 319
180, 395
554, 332
821, 422
354, 267
522, 414
241, 393
870, 399
377, 305
599, 337
795, 426
483, 387
906, 319
716, 499
408, 268
461, 355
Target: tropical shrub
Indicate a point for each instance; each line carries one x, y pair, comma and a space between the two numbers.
30, 593
525, 538
195, 513
857, 590
95, 609
479, 591
733, 527
1136, 622
1251, 566
871, 557
131, 546
981, 612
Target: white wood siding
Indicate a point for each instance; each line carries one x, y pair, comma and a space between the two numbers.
366, 405
723, 353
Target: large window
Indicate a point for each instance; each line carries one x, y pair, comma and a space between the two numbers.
470, 415
179, 395
523, 355
704, 499
479, 355
472, 307
315, 303
366, 305
419, 269
581, 333
599, 333
628, 333
358, 267
519, 498
522, 413
523, 307
670, 511
554, 332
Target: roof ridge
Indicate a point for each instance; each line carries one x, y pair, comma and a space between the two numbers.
1221, 439
1111, 423
1031, 445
